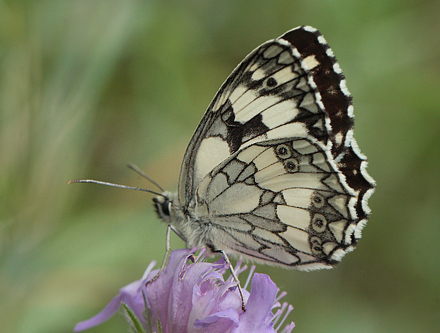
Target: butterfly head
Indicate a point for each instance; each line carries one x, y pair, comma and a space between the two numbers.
162, 205
167, 208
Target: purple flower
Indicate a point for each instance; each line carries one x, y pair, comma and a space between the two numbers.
192, 296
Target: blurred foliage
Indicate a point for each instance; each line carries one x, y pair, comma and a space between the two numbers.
87, 86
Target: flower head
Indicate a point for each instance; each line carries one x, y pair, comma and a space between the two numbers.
191, 295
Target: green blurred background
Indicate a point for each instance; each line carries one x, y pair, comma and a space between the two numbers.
87, 86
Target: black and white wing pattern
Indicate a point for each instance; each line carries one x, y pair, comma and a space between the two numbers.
273, 172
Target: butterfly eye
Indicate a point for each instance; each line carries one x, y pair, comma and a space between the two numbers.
270, 82
291, 165
283, 151
166, 208
162, 206
319, 223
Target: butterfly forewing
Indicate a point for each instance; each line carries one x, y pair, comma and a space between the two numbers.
268, 96
273, 171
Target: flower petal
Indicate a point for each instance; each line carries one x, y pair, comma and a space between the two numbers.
182, 295
167, 297
215, 323
101, 317
127, 295
258, 312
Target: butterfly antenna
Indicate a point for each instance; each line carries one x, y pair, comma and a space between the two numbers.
115, 185
143, 174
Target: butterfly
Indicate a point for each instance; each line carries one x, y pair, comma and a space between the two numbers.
272, 172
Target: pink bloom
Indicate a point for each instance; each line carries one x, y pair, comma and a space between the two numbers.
192, 296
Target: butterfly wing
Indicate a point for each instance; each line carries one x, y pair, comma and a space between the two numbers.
336, 100
286, 89
279, 201
268, 96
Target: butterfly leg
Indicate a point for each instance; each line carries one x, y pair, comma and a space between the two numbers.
165, 258
231, 269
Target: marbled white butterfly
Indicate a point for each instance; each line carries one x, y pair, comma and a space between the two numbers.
272, 172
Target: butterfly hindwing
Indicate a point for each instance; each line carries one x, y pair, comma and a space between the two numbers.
281, 201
